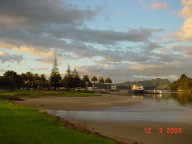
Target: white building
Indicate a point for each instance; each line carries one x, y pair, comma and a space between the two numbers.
113, 87
137, 87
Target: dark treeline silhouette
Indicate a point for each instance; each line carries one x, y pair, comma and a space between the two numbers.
183, 84
71, 80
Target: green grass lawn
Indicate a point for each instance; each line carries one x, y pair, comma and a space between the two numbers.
21, 125
38, 93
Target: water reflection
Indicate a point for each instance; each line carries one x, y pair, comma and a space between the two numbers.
182, 98
159, 107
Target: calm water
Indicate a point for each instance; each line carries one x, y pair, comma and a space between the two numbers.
165, 107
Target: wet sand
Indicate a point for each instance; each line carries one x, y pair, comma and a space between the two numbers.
79, 103
132, 132
129, 132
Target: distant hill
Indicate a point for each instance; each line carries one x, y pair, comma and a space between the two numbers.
157, 83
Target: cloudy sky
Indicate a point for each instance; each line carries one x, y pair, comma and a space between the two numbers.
122, 39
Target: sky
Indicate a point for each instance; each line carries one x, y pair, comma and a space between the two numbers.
126, 40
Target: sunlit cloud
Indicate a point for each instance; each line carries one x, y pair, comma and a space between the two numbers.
158, 5
5, 57
2, 53
141, 67
185, 32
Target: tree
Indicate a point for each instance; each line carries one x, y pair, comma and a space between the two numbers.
13, 80
36, 80
43, 82
101, 81
55, 76
184, 84
86, 80
4, 82
29, 80
108, 80
94, 79
67, 80
183, 76
76, 80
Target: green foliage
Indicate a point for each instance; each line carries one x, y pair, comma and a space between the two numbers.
10, 80
101, 80
108, 80
20, 125
86, 81
183, 84
33, 81
72, 79
94, 79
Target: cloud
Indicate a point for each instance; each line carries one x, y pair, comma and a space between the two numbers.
39, 28
5, 57
185, 32
186, 50
121, 72
42, 28
44, 11
110, 36
141, 67
158, 5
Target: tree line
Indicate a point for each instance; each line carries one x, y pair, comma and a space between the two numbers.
71, 80
183, 84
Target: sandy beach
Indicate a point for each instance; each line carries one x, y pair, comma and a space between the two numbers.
129, 132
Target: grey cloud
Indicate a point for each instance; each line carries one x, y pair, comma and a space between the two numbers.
186, 49
11, 58
110, 37
120, 72
43, 11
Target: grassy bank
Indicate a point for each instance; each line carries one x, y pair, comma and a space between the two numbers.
20, 125
36, 93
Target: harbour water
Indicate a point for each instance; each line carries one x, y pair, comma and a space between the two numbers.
162, 107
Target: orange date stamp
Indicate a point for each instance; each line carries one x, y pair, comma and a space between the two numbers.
173, 130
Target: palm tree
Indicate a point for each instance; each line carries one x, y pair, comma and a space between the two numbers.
36, 79
101, 81
86, 80
43, 81
30, 79
108, 80
94, 79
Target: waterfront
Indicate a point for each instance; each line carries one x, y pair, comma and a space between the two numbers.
164, 107
124, 117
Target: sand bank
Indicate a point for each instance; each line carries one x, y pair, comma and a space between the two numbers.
79, 103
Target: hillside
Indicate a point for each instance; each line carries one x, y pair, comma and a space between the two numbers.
148, 84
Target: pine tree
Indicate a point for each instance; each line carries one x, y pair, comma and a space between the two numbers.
55, 76
76, 80
67, 80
